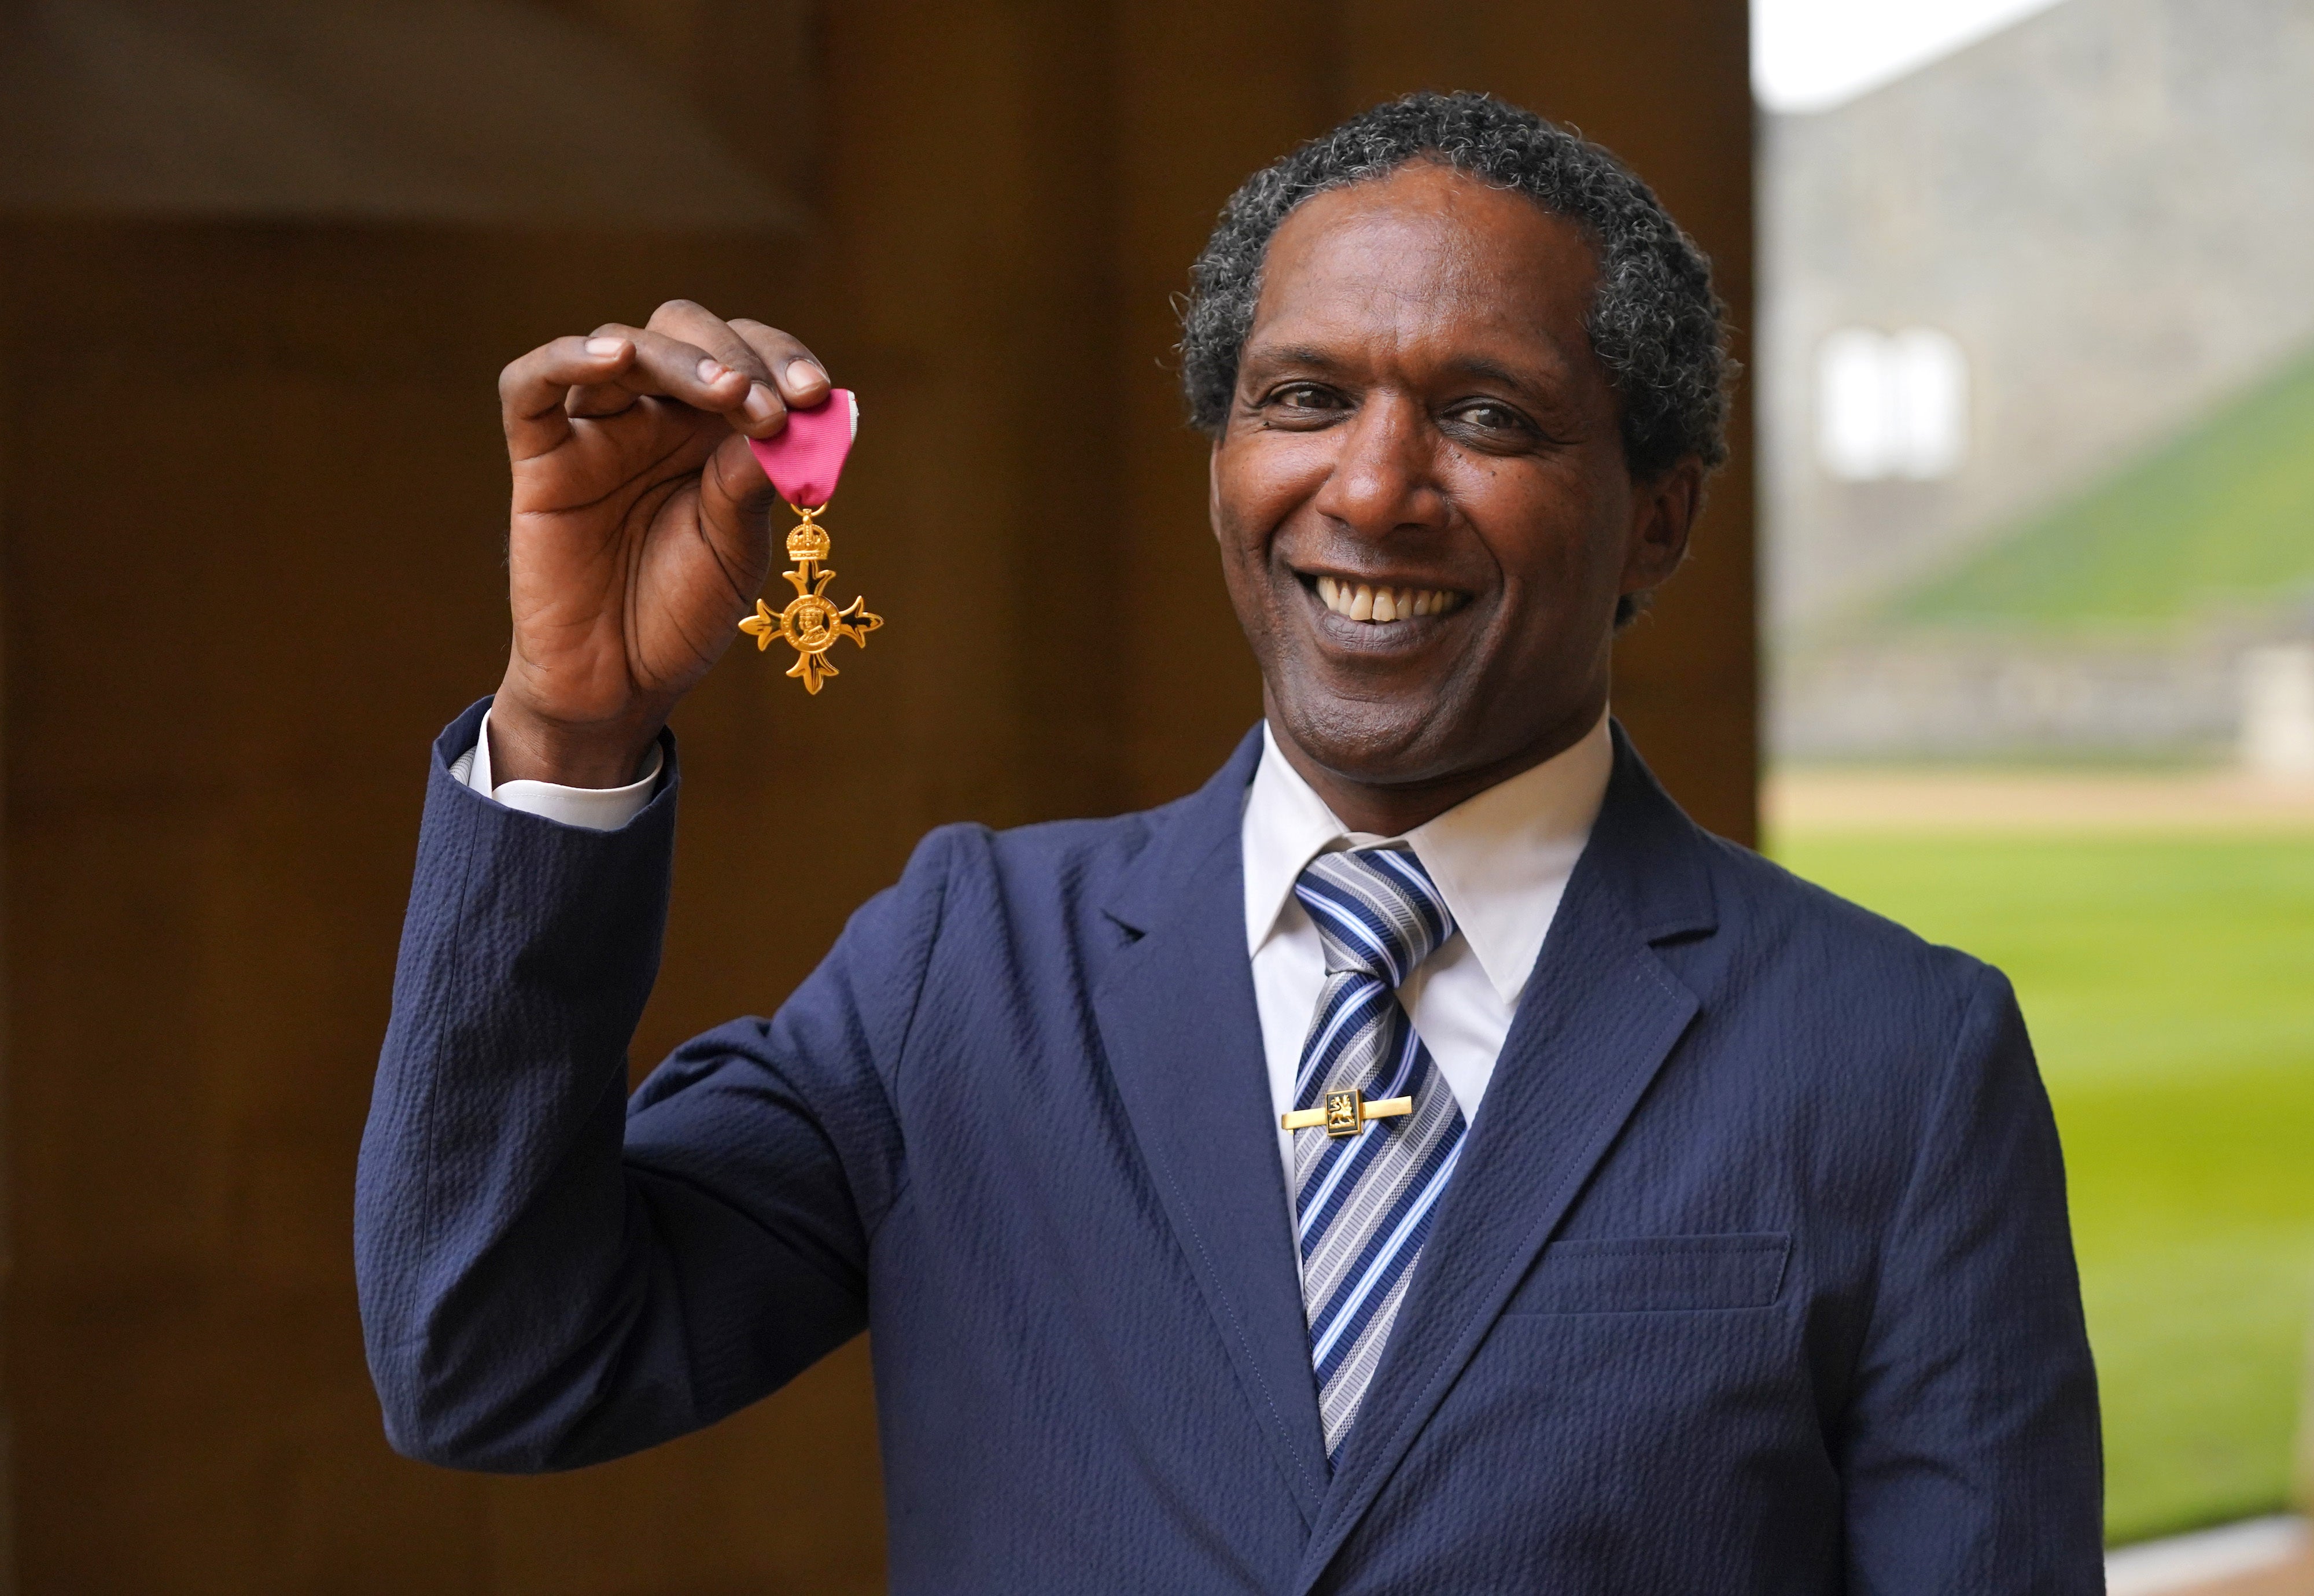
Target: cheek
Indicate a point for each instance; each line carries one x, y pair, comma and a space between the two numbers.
1240, 533
1556, 533
1258, 480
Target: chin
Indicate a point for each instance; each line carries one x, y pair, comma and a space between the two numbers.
1378, 743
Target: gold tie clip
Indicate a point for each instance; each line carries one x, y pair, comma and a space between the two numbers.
1345, 1113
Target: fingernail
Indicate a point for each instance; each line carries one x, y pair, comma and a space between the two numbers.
711, 371
606, 346
760, 406
803, 373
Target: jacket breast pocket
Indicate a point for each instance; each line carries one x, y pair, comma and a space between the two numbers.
1655, 1274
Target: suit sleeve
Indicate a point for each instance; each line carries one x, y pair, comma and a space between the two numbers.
1971, 1457
550, 1274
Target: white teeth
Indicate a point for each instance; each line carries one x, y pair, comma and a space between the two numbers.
1382, 605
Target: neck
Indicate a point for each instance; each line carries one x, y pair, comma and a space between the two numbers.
1393, 809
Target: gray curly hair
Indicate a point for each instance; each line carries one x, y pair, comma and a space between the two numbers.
1656, 325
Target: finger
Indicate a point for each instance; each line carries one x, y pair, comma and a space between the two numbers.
664, 368
598, 399
735, 501
802, 377
799, 381
782, 371
695, 323
763, 414
532, 390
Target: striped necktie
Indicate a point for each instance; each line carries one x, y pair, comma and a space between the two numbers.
1363, 1202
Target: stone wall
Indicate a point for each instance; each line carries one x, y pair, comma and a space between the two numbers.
2110, 205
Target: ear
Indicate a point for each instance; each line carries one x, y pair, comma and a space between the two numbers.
1662, 513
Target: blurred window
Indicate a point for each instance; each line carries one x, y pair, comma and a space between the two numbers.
1891, 405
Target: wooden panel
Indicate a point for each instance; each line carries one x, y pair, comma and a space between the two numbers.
254, 553
253, 522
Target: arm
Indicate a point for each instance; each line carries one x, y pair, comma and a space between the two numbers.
549, 1277
1971, 1454
535, 1293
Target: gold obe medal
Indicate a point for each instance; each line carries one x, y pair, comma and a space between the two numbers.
803, 462
811, 623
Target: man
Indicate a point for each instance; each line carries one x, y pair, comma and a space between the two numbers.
1658, 1223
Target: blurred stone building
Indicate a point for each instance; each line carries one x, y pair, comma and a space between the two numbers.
1985, 288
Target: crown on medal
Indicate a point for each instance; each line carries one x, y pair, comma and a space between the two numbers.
808, 541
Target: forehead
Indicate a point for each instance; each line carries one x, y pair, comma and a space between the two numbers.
1424, 257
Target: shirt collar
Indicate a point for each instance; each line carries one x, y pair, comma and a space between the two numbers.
1501, 860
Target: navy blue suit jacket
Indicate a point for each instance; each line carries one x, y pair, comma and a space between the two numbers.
1755, 1278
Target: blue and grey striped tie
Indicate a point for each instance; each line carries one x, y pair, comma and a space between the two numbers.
1363, 1202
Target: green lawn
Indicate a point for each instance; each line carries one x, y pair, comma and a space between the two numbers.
2218, 518
2169, 984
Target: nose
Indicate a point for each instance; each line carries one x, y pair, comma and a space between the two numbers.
1384, 481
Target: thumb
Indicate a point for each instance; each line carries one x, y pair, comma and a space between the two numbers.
736, 502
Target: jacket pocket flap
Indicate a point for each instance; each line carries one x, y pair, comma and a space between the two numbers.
1655, 1274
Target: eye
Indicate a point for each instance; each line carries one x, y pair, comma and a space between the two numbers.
1493, 426
1300, 405
1490, 417
1305, 396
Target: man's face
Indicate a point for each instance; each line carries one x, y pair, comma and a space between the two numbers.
1418, 413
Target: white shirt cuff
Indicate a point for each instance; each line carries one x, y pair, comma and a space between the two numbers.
594, 809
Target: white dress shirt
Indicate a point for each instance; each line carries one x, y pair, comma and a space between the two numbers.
596, 808
1501, 861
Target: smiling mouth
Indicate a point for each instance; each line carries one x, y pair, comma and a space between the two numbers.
1359, 601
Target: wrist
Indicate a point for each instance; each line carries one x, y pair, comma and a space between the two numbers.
528, 746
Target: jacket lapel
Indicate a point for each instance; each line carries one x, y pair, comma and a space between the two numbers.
1177, 1016
1599, 1015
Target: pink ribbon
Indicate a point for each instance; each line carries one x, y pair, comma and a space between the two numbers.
807, 457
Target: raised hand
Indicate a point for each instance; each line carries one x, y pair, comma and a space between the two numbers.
640, 528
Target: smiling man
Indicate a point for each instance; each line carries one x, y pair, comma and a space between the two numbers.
1419, 1160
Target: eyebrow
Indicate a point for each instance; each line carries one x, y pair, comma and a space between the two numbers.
1475, 365
1480, 366
1299, 355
